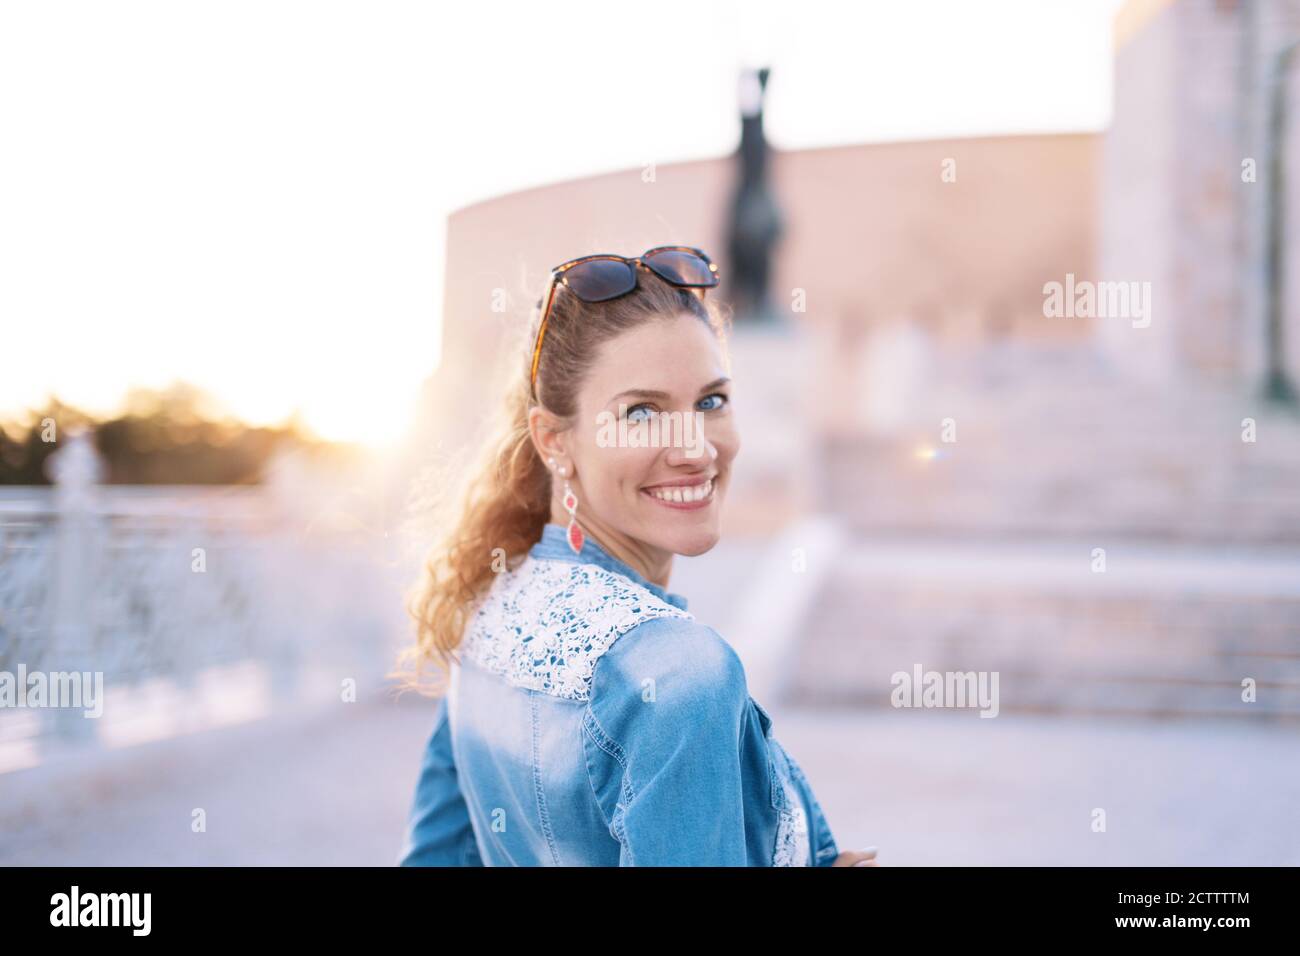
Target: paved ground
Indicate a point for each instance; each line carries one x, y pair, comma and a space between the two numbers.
935, 788
332, 787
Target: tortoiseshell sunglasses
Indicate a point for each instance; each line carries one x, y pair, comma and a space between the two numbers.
601, 277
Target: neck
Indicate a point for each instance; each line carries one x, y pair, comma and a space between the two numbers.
654, 564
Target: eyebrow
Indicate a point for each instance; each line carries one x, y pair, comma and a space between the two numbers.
654, 393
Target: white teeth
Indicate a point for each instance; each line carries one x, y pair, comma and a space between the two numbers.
685, 495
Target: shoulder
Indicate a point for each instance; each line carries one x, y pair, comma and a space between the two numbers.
684, 667
683, 651
545, 623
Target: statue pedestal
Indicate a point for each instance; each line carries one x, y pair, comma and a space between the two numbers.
772, 483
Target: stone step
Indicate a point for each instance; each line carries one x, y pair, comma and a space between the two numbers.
1009, 481
1163, 630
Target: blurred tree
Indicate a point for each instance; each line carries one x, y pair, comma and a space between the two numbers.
26, 442
176, 435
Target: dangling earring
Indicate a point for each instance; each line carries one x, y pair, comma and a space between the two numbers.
574, 534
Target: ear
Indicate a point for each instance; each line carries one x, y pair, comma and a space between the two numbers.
549, 434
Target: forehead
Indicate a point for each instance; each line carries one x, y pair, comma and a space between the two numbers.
677, 355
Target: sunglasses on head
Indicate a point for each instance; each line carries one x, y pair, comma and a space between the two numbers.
601, 277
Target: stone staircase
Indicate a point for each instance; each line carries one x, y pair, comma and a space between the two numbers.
1161, 631
1081, 461
979, 554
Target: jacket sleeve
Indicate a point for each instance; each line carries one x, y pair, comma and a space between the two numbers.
662, 732
438, 829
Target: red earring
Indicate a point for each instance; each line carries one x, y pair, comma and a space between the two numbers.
574, 533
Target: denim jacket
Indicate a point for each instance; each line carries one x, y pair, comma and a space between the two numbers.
592, 721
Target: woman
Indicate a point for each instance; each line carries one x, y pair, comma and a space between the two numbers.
588, 718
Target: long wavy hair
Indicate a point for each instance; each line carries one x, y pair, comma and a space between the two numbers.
497, 511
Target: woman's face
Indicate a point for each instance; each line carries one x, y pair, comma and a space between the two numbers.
654, 439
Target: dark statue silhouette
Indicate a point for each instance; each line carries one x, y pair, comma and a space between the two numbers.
755, 220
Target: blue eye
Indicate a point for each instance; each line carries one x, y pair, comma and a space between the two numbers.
632, 415
722, 400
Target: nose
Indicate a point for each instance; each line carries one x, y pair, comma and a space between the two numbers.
690, 446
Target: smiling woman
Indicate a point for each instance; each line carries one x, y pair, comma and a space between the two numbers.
588, 718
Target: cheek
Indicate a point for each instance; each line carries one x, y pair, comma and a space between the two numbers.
619, 472
726, 439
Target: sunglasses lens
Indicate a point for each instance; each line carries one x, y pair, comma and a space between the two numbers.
599, 279
683, 268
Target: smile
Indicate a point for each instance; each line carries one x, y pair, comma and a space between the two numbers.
686, 497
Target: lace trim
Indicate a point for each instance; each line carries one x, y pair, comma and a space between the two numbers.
544, 624
792, 846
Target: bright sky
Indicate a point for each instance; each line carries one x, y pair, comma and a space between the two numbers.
250, 196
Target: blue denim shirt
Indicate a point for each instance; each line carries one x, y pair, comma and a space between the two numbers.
592, 721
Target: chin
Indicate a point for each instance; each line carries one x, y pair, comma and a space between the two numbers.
695, 541
695, 550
